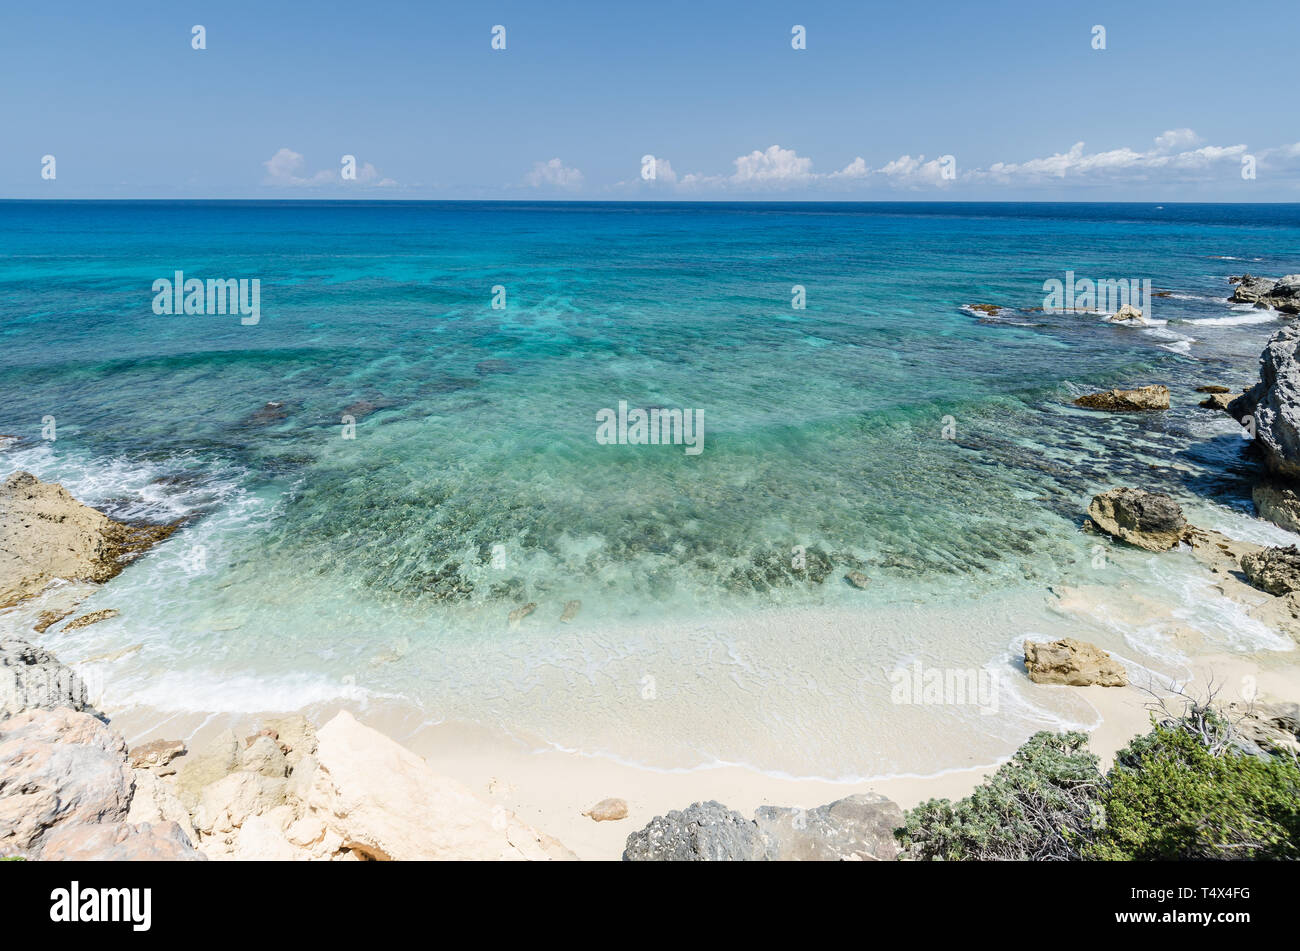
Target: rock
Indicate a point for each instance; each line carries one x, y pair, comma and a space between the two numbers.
86, 620
383, 801
608, 810
1269, 727
31, 678
295, 735
58, 767
571, 610
1217, 401
155, 801
858, 827
518, 614
264, 756
218, 759
1275, 570
1151, 397
1127, 314
226, 804
46, 534
1074, 663
1273, 404
156, 754
1150, 520
1213, 388
1250, 289
1282, 295
989, 310
121, 842
48, 618
1278, 503
857, 579
704, 832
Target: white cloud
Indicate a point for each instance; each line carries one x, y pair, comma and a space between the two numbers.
1176, 139
1122, 164
288, 168
776, 166
553, 174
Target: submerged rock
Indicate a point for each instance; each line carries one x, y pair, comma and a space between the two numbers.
571, 609
1275, 570
1151, 397
1073, 663
46, 534
521, 612
857, 579
1271, 408
1150, 520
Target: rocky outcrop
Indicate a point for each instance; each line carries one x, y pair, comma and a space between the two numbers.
1142, 398
31, 678
58, 768
94, 617
1271, 408
1217, 401
1128, 314
858, 828
1281, 295
703, 832
1150, 520
1266, 728
1073, 663
46, 534
120, 842
1278, 503
1275, 570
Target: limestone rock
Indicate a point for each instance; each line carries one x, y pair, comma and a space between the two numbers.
857, 828
295, 735
704, 832
1217, 401
120, 842
1275, 570
265, 757
858, 580
31, 678
1074, 663
58, 767
607, 810
1127, 314
1151, 397
155, 801
1150, 520
384, 802
156, 754
571, 609
1271, 408
46, 534
1213, 388
226, 804
219, 758
1278, 503
94, 617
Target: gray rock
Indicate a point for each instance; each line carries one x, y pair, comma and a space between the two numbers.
1279, 504
1250, 289
1273, 404
1275, 570
31, 678
1150, 520
857, 828
58, 767
705, 832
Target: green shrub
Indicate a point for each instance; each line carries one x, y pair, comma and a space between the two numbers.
1038, 805
1170, 796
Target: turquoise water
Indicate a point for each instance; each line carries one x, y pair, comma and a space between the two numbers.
383, 569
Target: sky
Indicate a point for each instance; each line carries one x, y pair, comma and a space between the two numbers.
932, 101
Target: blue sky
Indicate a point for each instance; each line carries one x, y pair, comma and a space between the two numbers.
1181, 94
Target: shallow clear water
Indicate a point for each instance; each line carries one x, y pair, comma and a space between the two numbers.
383, 568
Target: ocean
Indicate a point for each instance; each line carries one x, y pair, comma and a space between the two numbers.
383, 471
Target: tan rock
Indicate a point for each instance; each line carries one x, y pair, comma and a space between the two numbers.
607, 810
228, 803
570, 612
1074, 663
295, 735
120, 842
156, 754
1278, 503
94, 617
519, 613
219, 758
155, 801
857, 579
1149, 520
46, 534
384, 802
1127, 314
265, 757
1217, 401
1124, 401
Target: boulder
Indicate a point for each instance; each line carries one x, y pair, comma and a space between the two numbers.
1127, 314
1275, 570
1073, 663
1281, 295
1213, 388
384, 802
1271, 408
1266, 728
31, 678
857, 828
1251, 289
195, 771
155, 801
264, 756
1150, 520
46, 534
1151, 397
1217, 401
1278, 503
704, 832
295, 735
228, 803
157, 755
607, 810
120, 842
58, 767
